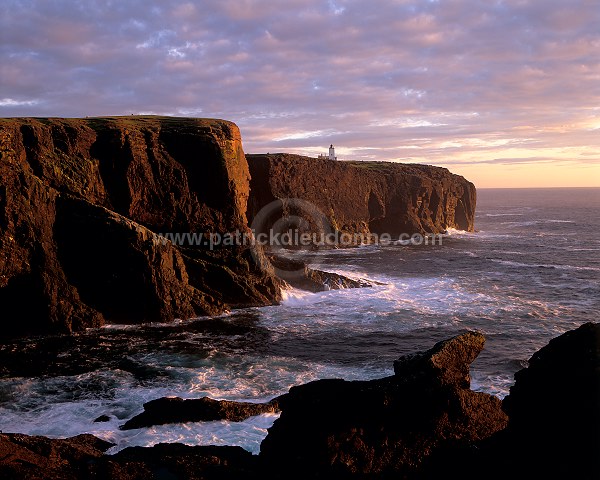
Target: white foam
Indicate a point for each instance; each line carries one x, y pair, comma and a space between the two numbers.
68, 419
294, 296
456, 232
56, 407
497, 385
544, 265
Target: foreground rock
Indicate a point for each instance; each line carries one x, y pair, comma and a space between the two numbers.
82, 457
390, 426
421, 423
366, 197
177, 410
177, 462
554, 412
82, 202
24, 456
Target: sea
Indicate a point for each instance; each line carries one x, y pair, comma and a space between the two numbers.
530, 272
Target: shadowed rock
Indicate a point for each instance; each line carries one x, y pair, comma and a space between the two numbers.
24, 456
177, 461
447, 363
390, 426
177, 410
421, 423
82, 457
554, 410
299, 275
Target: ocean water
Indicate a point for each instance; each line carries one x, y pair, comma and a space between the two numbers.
529, 273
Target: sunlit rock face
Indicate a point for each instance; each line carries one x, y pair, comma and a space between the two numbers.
375, 197
82, 202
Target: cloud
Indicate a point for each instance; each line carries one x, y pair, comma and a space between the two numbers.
10, 102
380, 79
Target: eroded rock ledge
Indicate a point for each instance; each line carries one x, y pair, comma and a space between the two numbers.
178, 410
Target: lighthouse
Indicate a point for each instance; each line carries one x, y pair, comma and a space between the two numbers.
332, 153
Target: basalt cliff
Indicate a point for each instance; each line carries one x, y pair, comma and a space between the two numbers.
83, 203
366, 197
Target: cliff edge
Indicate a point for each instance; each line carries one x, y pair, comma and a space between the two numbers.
81, 202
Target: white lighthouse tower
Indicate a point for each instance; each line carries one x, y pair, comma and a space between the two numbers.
332, 153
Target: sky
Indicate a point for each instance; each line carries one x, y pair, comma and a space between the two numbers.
506, 93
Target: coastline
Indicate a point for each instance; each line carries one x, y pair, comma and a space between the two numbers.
81, 204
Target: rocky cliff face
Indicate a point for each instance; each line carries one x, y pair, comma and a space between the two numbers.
81, 201
376, 197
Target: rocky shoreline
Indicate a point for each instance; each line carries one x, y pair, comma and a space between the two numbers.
422, 422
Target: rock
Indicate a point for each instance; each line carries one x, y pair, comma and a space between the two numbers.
422, 422
177, 461
447, 363
297, 274
82, 204
23, 456
363, 197
391, 426
82, 457
554, 411
102, 419
177, 410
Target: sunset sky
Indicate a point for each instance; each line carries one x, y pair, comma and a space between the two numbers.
506, 93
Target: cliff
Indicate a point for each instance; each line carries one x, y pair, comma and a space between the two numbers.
81, 201
366, 197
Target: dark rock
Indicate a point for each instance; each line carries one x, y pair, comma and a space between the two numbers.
299, 275
391, 426
33, 457
82, 457
554, 411
102, 418
177, 461
177, 410
423, 422
447, 363
363, 197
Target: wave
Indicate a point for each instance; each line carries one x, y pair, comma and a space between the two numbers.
455, 232
529, 223
504, 214
292, 296
543, 265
